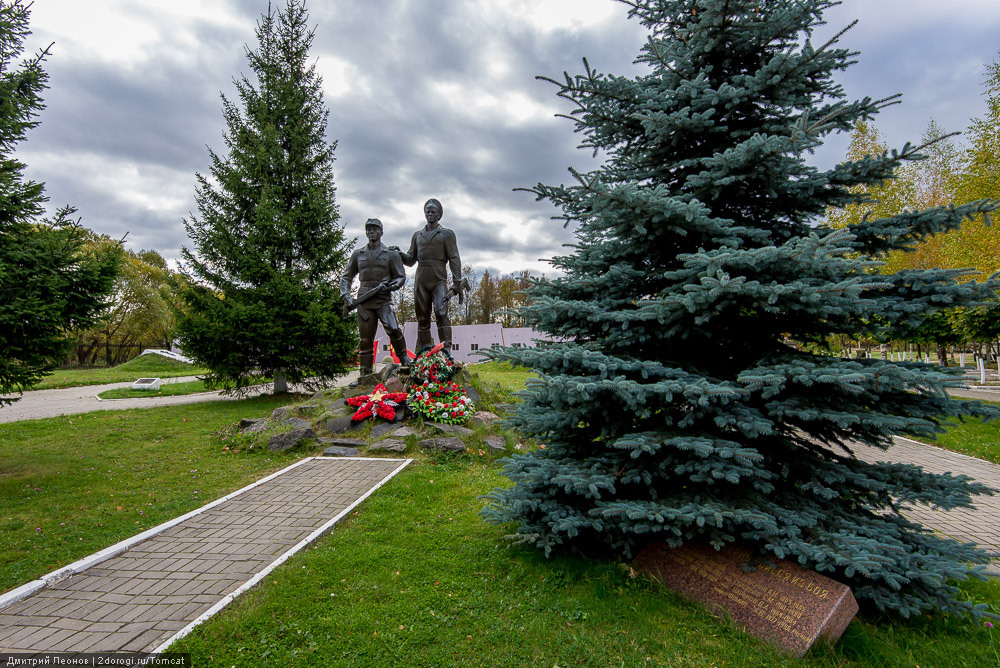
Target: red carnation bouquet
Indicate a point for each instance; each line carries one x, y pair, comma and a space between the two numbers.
435, 396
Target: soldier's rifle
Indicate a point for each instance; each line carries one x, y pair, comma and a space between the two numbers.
362, 298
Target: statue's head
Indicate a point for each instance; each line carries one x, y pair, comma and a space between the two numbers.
373, 229
433, 211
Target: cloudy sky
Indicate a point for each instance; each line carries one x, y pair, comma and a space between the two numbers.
426, 99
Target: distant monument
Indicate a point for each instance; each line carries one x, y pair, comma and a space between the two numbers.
434, 249
381, 272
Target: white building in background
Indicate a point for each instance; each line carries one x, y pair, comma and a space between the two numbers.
466, 340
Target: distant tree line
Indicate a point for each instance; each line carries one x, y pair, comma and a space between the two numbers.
492, 298
952, 173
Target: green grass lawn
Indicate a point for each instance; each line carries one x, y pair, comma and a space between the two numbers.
144, 365
70, 486
413, 577
416, 578
974, 437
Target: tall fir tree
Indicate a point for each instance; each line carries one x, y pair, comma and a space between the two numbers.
261, 295
49, 283
688, 396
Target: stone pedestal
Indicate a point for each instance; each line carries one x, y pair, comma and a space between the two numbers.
786, 605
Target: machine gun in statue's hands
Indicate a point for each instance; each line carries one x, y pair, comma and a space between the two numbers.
460, 289
351, 304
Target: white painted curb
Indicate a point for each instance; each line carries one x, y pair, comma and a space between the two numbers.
81, 565
229, 598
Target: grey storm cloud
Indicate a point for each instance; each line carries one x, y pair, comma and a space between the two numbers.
426, 100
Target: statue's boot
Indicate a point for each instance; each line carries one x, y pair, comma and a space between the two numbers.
367, 362
424, 338
399, 347
444, 332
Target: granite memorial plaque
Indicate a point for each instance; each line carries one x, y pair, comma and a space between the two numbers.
786, 604
152, 384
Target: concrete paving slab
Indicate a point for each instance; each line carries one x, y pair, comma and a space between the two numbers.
980, 525
135, 613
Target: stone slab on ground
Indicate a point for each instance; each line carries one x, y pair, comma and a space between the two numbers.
158, 589
342, 442
388, 445
383, 429
496, 443
442, 444
453, 429
340, 451
786, 605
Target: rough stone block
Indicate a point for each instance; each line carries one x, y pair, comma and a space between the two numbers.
786, 605
472, 392
483, 417
289, 439
281, 413
258, 427
451, 429
442, 444
388, 445
297, 423
335, 406
496, 444
247, 423
339, 425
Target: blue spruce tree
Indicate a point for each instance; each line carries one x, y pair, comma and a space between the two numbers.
690, 395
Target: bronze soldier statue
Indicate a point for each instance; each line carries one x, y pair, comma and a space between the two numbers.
434, 249
381, 272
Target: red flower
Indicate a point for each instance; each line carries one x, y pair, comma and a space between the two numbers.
380, 402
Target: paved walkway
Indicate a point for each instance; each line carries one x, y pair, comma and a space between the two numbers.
980, 525
52, 403
144, 593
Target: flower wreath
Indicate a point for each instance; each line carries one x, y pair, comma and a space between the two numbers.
380, 402
441, 402
433, 365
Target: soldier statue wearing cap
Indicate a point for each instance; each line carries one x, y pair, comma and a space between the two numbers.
381, 272
434, 250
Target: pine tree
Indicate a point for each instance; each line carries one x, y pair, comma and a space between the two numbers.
688, 396
261, 295
49, 283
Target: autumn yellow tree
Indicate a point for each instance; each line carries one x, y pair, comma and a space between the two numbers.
977, 243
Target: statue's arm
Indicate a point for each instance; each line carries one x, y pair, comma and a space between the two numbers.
348, 277
397, 274
454, 261
410, 258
